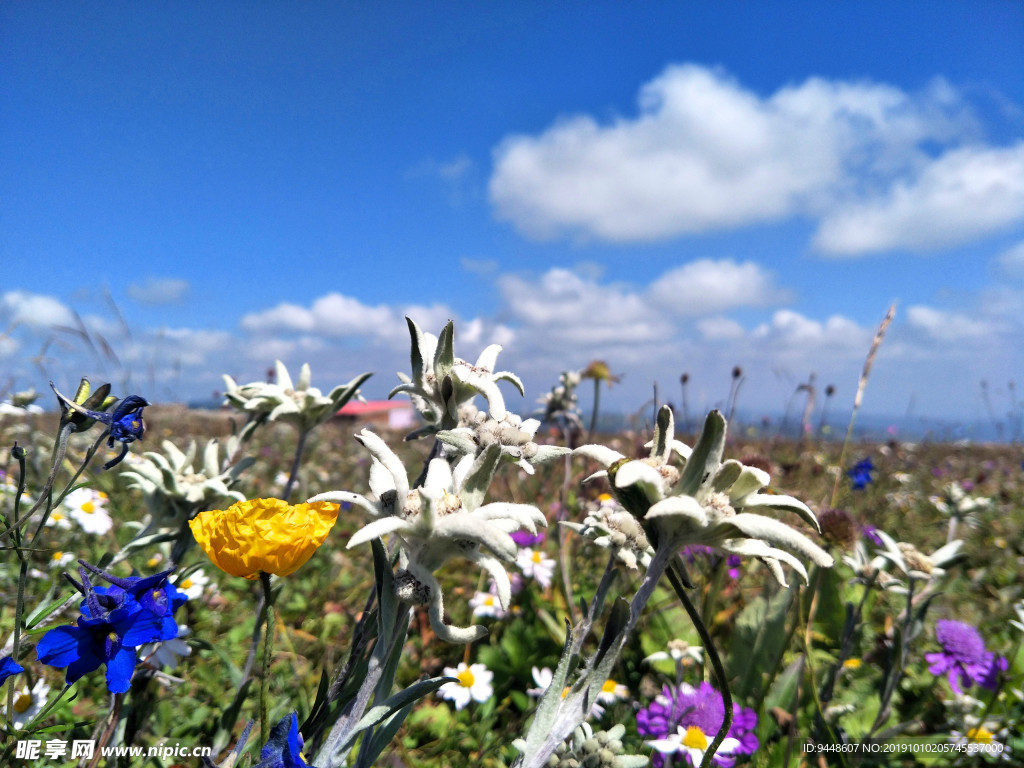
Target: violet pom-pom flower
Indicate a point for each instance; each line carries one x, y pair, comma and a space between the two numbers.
963, 658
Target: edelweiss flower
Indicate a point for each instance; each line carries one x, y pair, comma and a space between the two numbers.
441, 382
915, 564
295, 403
443, 519
708, 502
174, 488
513, 435
610, 526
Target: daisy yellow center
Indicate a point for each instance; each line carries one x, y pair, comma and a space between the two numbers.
979, 735
489, 600
89, 507
153, 561
605, 497
57, 556
185, 584
695, 738
22, 702
609, 686
536, 557
57, 517
466, 679
852, 664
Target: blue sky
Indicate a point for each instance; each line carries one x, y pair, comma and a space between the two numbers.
669, 187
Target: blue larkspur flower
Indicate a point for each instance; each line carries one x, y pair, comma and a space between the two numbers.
284, 747
115, 620
860, 474
8, 668
124, 423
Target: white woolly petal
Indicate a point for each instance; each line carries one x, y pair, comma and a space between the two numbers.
494, 567
283, 379
599, 453
381, 479
780, 502
377, 528
751, 479
641, 474
438, 480
340, 497
945, 554
680, 506
488, 357
382, 453
461, 471
776, 533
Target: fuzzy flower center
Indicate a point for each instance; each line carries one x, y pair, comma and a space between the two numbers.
695, 738
916, 561
609, 686
466, 678
717, 506
88, 507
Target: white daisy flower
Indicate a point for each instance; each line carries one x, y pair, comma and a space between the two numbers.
486, 604
60, 560
86, 507
194, 584
58, 519
536, 565
691, 741
472, 683
27, 703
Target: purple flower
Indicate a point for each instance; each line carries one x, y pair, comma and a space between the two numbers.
870, 533
527, 540
734, 562
693, 716
860, 474
963, 658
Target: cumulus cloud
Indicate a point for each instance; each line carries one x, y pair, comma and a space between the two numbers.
563, 309
704, 153
705, 286
159, 290
949, 326
961, 195
333, 315
34, 310
880, 168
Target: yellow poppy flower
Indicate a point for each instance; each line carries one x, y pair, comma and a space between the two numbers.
263, 535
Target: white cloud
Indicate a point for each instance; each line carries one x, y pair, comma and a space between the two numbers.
705, 153
34, 310
562, 310
705, 286
331, 315
720, 329
159, 290
949, 326
963, 194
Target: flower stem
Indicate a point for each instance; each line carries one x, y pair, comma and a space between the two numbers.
268, 646
296, 461
716, 665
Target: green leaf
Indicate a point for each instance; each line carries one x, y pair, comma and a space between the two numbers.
759, 640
